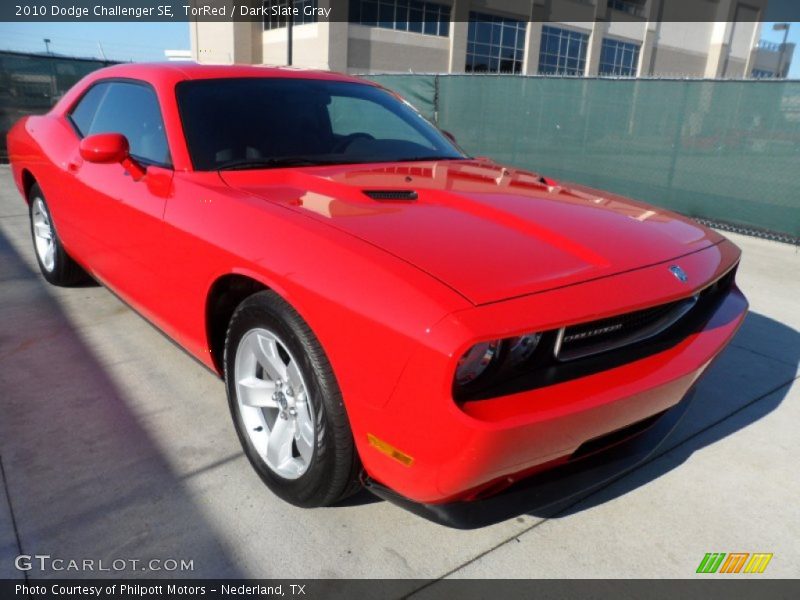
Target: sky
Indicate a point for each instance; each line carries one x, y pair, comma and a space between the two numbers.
147, 41
119, 41
777, 36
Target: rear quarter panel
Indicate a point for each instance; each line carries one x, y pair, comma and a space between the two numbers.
43, 146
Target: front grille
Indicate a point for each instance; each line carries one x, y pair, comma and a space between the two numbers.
591, 347
602, 335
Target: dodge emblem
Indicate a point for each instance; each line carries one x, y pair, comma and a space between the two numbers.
679, 273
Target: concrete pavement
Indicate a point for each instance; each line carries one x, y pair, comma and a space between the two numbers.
116, 445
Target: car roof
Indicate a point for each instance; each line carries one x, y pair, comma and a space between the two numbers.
181, 71
165, 76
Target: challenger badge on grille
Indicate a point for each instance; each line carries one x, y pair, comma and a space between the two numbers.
592, 332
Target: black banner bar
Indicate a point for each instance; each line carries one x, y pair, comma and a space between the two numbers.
339, 10
743, 587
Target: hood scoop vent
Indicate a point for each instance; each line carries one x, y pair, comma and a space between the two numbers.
389, 195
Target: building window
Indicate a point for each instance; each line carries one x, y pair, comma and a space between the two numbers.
275, 18
768, 46
416, 16
563, 52
762, 74
495, 44
619, 58
632, 7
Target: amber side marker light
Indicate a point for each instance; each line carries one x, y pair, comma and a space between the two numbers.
389, 450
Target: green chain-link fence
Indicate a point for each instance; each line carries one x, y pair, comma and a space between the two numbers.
727, 151
31, 84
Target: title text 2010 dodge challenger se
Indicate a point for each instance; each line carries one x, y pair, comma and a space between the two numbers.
383, 308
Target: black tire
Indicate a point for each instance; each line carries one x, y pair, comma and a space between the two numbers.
332, 473
65, 271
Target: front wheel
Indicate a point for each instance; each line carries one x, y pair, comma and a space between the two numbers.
56, 265
286, 404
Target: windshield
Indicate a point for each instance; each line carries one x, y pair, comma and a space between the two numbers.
271, 122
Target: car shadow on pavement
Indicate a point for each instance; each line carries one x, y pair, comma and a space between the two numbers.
360, 498
747, 382
85, 480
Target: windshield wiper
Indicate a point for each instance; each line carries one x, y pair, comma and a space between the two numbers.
269, 163
305, 161
427, 158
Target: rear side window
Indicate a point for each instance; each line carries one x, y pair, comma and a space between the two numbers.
130, 109
83, 114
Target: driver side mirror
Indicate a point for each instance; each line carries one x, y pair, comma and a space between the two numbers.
108, 148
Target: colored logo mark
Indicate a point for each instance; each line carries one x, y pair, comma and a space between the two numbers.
734, 562
679, 273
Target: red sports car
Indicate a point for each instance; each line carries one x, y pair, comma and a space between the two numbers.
383, 308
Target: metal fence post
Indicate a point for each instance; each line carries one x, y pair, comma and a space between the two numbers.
436, 99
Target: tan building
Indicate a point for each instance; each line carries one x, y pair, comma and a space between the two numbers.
771, 60
627, 38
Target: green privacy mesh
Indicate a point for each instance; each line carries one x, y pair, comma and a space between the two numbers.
721, 150
31, 84
419, 90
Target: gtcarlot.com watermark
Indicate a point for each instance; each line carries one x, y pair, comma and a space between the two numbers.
46, 562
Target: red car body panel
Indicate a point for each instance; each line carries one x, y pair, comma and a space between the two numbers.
548, 232
503, 436
395, 292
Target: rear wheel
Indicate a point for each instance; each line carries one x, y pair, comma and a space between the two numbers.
56, 265
286, 404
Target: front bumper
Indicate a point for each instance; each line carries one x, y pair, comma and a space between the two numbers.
464, 452
550, 490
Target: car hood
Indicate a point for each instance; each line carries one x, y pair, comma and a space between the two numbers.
487, 231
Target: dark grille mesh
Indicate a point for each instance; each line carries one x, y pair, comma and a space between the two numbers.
607, 330
620, 330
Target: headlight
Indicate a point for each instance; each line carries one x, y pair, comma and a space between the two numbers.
485, 360
522, 348
475, 361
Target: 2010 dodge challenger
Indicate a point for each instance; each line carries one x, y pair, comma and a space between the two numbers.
383, 308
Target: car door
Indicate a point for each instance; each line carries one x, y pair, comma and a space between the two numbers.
121, 219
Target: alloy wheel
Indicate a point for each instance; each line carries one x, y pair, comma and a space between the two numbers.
273, 401
43, 235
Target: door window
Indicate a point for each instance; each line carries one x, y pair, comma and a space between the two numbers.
130, 109
83, 114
